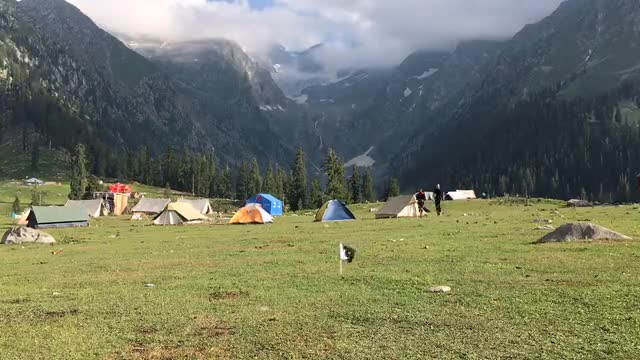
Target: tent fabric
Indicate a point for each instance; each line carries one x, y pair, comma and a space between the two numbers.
120, 188
251, 214
334, 210
269, 203
95, 208
33, 181
202, 205
179, 214
151, 206
399, 207
41, 217
460, 195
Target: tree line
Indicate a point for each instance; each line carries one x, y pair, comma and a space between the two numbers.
201, 175
546, 145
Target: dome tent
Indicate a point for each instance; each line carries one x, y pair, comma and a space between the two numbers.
251, 214
334, 210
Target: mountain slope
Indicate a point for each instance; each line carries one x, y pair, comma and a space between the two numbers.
124, 100
554, 115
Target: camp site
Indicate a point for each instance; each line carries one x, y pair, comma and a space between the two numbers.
193, 278
308, 179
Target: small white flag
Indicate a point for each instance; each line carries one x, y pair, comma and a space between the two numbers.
343, 253
347, 253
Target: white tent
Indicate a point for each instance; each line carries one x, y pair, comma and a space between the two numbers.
460, 195
95, 208
179, 214
202, 205
399, 207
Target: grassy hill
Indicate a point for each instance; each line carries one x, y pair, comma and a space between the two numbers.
273, 292
16, 163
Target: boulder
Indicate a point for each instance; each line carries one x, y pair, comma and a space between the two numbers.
578, 203
25, 235
582, 231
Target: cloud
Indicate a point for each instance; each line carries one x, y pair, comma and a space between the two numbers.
356, 32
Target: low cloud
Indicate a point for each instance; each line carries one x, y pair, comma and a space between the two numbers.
356, 32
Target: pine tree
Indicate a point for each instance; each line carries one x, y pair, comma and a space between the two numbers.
298, 190
255, 182
282, 184
243, 182
170, 167
78, 173
355, 185
269, 184
35, 156
334, 169
368, 193
93, 186
225, 184
393, 188
317, 197
16, 207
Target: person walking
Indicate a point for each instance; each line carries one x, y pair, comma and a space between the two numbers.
437, 198
421, 198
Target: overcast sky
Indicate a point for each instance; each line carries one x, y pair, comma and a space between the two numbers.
363, 32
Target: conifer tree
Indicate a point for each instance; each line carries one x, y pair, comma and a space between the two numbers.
393, 188
355, 186
79, 173
255, 182
243, 181
298, 189
225, 184
368, 192
269, 184
16, 207
317, 195
35, 156
334, 169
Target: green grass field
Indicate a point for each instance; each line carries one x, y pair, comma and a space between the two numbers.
273, 292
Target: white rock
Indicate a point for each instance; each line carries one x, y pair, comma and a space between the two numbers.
440, 289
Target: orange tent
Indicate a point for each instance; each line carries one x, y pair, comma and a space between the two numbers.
251, 214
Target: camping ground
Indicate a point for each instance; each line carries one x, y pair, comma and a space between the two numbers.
273, 291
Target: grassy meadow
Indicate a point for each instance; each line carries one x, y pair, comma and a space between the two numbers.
274, 292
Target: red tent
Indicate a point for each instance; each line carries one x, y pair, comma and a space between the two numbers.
120, 188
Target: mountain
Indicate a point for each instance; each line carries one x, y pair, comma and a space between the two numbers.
556, 114
199, 95
377, 111
295, 70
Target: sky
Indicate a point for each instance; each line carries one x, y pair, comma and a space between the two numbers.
355, 32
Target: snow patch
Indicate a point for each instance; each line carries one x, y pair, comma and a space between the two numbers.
300, 100
363, 160
407, 92
427, 73
589, 56
272, 108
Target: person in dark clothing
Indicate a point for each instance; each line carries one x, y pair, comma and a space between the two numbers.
421, 198
437, 197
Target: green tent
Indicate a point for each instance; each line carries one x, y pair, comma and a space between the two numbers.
43, 217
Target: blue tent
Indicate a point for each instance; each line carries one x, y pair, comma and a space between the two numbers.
334, 210
269, 203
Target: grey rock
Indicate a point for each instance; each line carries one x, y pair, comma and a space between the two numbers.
583, 231
25, 235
